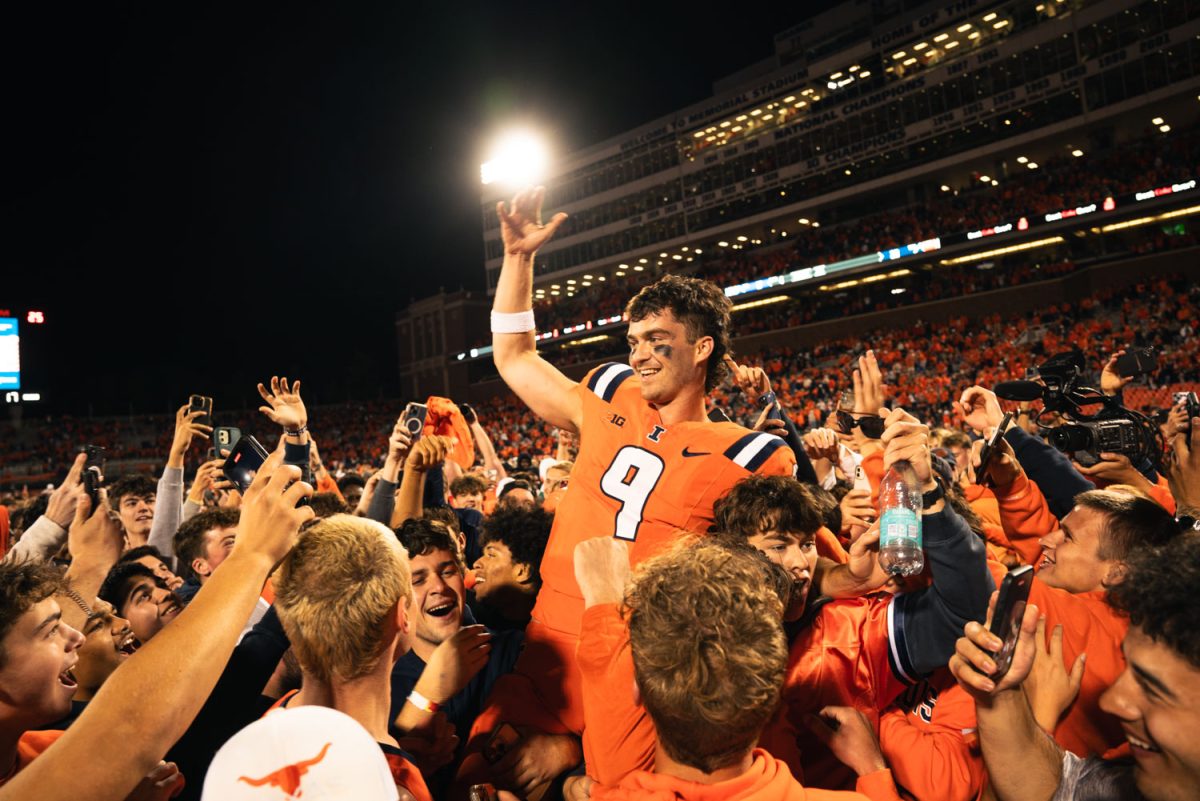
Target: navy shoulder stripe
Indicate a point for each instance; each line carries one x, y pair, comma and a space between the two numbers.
752, 450
606, 379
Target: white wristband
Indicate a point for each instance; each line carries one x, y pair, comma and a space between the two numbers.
513, 323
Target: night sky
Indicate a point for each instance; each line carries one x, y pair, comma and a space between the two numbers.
199, 200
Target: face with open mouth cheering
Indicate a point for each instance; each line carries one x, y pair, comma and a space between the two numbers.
437, 599
1071, 555
38, 657
795, 553
110, 641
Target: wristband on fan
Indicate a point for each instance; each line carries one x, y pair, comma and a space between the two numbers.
423, 703
513, 322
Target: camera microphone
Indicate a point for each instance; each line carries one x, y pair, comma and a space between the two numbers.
1018, 390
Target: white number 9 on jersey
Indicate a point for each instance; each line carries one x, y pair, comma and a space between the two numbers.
632, 476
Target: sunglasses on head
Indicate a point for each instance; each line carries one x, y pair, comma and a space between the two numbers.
871, 425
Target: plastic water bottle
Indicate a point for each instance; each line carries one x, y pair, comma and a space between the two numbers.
900, 503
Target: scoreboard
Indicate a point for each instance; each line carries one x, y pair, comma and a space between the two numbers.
17, 334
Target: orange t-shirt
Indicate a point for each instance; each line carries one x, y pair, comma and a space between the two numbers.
1090, 626
641, 481
31, 745
768, 779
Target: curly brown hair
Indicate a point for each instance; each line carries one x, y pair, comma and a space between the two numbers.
702, 308
764, 503
22, 584
1159, 595
708, 650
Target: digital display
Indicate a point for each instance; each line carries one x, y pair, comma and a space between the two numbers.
10, 354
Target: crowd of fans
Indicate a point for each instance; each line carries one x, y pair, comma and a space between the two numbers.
666, 581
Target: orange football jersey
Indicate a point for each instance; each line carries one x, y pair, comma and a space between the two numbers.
641, 481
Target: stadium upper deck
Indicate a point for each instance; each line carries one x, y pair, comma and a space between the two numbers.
862, 106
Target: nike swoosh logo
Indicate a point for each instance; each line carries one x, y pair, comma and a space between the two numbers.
686, 452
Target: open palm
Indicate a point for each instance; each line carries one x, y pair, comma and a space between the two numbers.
284, 404
521, 223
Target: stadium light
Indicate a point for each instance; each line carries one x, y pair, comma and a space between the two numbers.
518, 160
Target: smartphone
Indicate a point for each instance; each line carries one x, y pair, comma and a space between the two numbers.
500, 743
224, 439
1006, 619
1137, 361
93, 473
468, 413
201, 403
243, 462
989, 448
414, 419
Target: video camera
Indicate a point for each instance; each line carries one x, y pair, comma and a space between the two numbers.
1112, 429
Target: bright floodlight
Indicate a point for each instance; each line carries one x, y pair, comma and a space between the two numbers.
519, 159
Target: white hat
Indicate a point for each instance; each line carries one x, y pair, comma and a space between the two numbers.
311, 750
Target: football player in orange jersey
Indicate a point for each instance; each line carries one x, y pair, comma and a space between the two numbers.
650, 462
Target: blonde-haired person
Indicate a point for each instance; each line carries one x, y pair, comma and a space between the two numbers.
341, 595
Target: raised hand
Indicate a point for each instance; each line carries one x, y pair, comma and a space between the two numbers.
906, 438
980, 409
602, 570
284, 405
206, 475
1112, 382
162, 783
1049, 687
95, 536
863, 564
270, 520
399, 443
427, 453
868, 385
1115, 468
858, 513
972, 663
1003, 467
821, 443
521, 227
1183, 469
67, 496
752, 381
186, 428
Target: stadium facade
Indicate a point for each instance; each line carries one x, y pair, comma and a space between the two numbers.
863, 107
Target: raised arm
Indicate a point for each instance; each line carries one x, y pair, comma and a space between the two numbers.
487, 451
147, 704
168, 501
536, 382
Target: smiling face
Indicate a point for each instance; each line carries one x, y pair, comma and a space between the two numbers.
110, 641
1157, 700
437, 600
664, 359
137, 516
40, 654
795, 553
148, 607
1071, 555
495, 571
